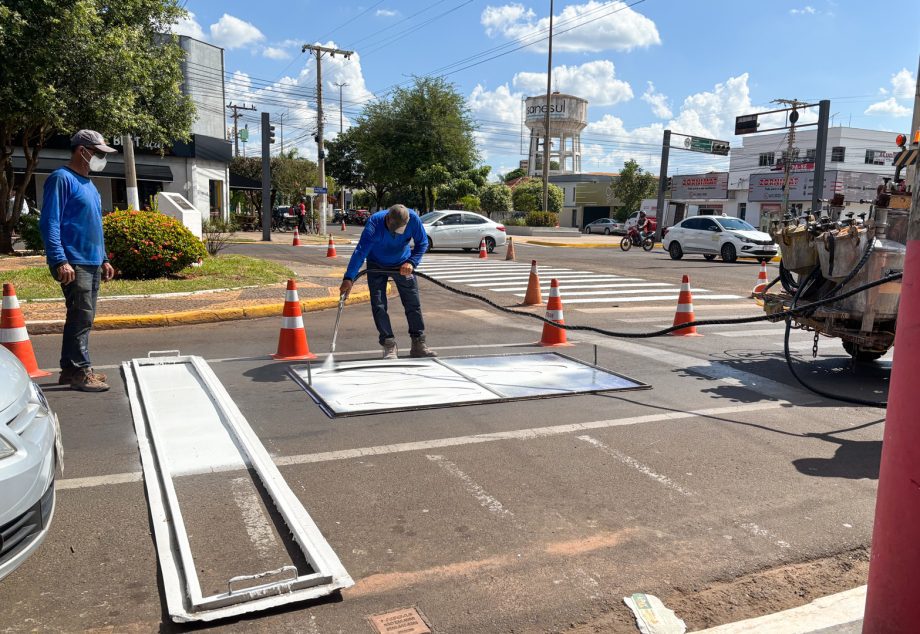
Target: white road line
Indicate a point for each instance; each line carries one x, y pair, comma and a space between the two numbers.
257, 527
530, 433
635, 464
567, 286
652, 320
485, 500
498, 277
565, 282
628, 291
654, 298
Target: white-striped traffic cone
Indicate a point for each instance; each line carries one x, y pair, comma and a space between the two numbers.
292, 342
13, 333
553, 336
684, 313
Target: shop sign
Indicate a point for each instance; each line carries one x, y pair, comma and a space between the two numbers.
712, 186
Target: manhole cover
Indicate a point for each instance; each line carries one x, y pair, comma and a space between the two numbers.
405, 621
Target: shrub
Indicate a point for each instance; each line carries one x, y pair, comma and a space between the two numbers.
541, 219
496, 198
30, 232
470, 203
515, 222
217, 233
144, 245
528, 196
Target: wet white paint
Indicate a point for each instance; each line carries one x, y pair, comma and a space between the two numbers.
257, 526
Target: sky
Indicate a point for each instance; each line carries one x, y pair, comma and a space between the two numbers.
690, 66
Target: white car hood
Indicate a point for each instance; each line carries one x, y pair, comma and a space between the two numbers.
14, 385
752, 235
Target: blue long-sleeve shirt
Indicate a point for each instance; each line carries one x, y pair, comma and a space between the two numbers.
379, 245
71, 220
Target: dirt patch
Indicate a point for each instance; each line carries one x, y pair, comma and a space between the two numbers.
751, 595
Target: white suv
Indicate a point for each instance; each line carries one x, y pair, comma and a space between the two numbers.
30, 451
713, 236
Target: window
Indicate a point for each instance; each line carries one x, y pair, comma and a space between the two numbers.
810, 155
707, 225
838, 154
452, 219
768, 158
470, 219
875, 157
736, 224
692, 223
793, 156
742, 211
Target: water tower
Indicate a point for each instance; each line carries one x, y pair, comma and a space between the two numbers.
568, 116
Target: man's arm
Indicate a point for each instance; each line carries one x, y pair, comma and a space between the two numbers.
360, 253
54, 197
420, 243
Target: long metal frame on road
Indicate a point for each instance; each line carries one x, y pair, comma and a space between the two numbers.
184, 599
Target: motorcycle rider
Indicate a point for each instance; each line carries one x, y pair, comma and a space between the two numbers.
642, 225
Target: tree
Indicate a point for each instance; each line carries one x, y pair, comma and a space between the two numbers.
513, 174
631, 186
290, 177
94, 64
528, 196
496, 198
430, 180
470, 203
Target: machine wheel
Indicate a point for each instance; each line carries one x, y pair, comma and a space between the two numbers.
861, 354
729, 254
490, 244
675, 251
709, 257
626, 243
606, 231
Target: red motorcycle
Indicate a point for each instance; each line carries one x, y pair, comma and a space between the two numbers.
634, 238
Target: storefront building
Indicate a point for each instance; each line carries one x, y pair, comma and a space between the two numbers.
586, 198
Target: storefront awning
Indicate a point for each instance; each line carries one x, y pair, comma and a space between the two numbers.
238, 181
145, 172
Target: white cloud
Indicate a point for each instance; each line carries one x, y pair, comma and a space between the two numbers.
594, 81
904, 84
806, 10
188, 26
601, 26
231, 32
657, 101
497, 112
386, 13
273, 52
889, 107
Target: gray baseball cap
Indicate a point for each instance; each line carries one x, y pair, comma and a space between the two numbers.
90, 138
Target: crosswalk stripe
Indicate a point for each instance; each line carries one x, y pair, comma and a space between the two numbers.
654, 298
612, 284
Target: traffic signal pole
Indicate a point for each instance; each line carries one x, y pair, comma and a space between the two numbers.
266, 179
893, 599
662, 184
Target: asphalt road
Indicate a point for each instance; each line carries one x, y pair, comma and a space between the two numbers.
723, 469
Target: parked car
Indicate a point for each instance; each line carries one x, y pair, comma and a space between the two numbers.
723, 236
606, 226
462, 230
30, 451
633, 218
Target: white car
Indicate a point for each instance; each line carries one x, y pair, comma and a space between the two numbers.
723, 236
462, 230
30, 452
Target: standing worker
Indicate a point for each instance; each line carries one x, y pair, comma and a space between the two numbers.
71, 226
384, 244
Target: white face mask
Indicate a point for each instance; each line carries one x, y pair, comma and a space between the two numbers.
97, 164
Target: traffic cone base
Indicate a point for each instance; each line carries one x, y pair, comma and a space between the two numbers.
292, 342
533, 296
684, 313
296, 242
330, 250
554, 337
509, 253
13, 334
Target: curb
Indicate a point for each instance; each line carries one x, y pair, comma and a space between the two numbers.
118, 322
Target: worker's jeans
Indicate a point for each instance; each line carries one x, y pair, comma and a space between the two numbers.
408, 295
80, 299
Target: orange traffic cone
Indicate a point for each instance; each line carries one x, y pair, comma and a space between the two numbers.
330, 250
483, 254
296, 237
553, 336
509, 253
343, 225
684, 313
762, 280
13, 333
292, 342
533, 297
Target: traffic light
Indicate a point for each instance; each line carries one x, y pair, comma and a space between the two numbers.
271, 134
244, 134
720, 148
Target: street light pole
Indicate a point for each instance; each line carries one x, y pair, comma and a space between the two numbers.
549, 93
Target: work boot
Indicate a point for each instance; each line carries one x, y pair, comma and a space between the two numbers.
420, 349
85, 381
67, 375
389, 348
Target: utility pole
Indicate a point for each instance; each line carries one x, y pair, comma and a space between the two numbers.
134, 201
341, 120
236, 132
268, 137
549, 93
319, 51
662, 184
787, 162
891, 600
281, 124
